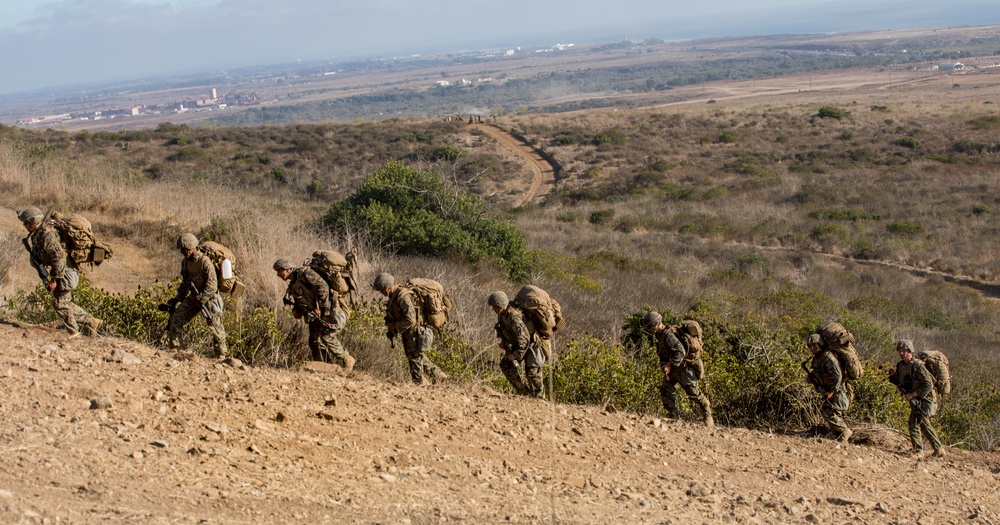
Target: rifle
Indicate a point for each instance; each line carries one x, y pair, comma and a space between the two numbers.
813, 380
43, 272
312, 315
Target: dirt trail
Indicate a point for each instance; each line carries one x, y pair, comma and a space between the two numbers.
97, 431
542, 171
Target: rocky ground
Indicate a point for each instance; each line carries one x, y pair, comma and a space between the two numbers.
105, 430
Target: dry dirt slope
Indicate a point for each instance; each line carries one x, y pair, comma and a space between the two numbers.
173, 440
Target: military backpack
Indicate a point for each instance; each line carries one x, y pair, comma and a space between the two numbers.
77, 234
337, 270
838, 340
688, 332
542, 310
225, 268
937, 364
433, 303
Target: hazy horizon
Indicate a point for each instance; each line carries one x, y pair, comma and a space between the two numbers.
51, 44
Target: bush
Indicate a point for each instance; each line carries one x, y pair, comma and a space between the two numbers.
832, 112
415, 212
437, 153
908, 142
843, 214
904, 229
728, 137
613, 137
601, 216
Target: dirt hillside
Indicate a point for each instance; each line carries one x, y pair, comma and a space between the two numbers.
105, 430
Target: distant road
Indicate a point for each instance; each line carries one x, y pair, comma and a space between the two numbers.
542, 171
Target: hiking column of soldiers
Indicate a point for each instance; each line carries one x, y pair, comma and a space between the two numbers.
322, 291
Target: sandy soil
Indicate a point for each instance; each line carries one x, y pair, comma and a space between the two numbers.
105, 430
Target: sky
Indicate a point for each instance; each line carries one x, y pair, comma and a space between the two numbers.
45, 44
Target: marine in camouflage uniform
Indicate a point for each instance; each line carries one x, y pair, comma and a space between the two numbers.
403, 320
917, 387
515, 340
676, 370
47, 250
827, 379
198, 293
309, 295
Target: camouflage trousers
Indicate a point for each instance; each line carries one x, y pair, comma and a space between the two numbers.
534, 358
415, 344
187, 310
70, 313
687, 377
324, 345
834, 417
920, 422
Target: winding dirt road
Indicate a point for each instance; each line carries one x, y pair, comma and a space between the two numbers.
541, 170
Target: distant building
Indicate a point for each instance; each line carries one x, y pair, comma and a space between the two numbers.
951, 66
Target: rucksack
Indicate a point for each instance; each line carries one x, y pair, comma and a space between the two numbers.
218, 254
542, 310
688, 332
433, 303
78, 236
838, 340
335, 269
937, 364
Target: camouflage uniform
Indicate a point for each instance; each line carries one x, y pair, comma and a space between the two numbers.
670, 351
46, 247
913, 377
309, 292
829, 378
516, 338
403, 320
198, 293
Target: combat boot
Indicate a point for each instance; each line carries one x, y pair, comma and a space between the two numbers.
92, 326
939, 453
706, 408
845, 435
349, 364
440, 376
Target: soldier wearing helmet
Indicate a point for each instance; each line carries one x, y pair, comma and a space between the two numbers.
49, 258
916, 385
677, 368
515, 341
402, 319
828, 379
309, 295
197, 293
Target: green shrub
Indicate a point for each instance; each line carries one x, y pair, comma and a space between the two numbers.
908, 142
985, 122
844, 214
983, 209
904, 229
566, 139
613, 137
832, 112
415, 212
601, 216
436, 153
727, 137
